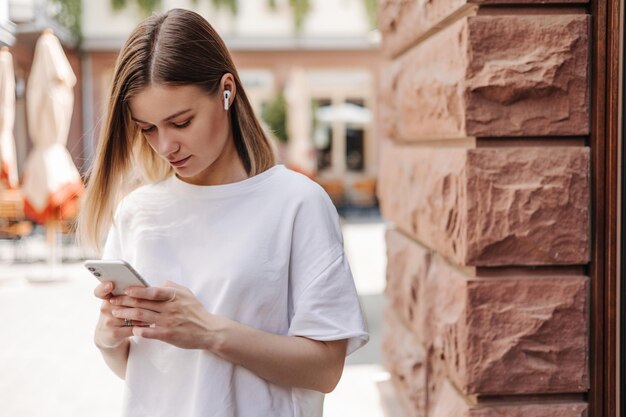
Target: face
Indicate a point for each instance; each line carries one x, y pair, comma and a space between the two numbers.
190, 129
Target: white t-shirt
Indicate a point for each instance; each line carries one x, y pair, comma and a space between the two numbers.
267, 252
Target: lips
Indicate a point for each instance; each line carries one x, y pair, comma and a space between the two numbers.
180, 162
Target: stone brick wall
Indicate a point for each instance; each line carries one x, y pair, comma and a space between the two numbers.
485, 180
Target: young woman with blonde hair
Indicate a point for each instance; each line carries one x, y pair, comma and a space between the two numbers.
251, 307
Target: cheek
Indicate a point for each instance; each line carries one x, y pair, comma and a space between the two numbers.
214, 133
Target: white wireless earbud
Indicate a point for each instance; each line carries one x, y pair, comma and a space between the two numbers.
226, 97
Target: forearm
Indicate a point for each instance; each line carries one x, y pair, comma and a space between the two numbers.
181, 320
282, 360
116, 358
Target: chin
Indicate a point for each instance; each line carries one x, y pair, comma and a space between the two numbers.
193, 175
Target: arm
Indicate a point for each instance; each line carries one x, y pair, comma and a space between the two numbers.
111, 336
181, 320
282, 360
116, 358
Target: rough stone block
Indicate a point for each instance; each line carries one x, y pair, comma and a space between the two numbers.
494, 76
510, 335
491, 206
450, 403
404, 358
407, 270
386, 114
524, 335
572, 409
427, 97
403, 22
419, 189
414, 288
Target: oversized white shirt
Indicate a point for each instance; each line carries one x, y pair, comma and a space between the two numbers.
267, 252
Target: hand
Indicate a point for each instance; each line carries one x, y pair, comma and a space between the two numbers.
111, 331
178, 316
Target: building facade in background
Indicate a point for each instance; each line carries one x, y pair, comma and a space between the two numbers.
326, 73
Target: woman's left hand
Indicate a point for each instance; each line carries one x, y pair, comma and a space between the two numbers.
178, 316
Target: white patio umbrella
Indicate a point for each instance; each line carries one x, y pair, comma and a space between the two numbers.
8, 159
52, 183
345, 112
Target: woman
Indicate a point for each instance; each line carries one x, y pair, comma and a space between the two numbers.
251, 308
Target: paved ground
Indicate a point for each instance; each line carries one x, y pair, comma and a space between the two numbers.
49, 366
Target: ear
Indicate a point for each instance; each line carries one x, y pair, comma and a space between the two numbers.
228, 83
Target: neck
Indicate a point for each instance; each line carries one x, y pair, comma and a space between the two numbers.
226, 169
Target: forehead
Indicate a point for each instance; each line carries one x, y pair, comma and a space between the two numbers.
157, 101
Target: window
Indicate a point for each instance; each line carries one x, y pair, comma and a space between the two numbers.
322, 137
355, 155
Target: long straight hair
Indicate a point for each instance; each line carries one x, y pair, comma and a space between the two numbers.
178, 47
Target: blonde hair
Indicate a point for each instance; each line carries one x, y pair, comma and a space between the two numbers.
178, 47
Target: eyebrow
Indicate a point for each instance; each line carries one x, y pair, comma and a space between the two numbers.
178, 113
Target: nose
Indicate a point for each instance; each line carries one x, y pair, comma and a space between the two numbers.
167, 146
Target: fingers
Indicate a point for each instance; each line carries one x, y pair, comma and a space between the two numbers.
166, 293
114, 328
152, 333
127, 323
136, 314
113, 337
111, 331
109, 321
113, 323
104, 290
126, 301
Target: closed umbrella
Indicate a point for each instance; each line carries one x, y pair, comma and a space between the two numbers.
8, 160
52, 183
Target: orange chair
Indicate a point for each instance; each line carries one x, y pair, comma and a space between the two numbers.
13, 223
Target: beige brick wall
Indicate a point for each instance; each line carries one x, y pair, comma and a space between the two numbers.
485, 179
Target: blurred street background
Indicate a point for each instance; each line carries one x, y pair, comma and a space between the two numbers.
310, 69
50, 366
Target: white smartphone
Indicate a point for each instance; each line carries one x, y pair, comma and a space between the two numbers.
118, 271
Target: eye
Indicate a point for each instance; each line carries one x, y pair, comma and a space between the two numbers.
147, 130
182, 125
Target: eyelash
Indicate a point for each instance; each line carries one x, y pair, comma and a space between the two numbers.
182, 125
177, 126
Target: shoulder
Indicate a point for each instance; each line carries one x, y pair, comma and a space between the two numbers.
311, 205
300, 188
141, 196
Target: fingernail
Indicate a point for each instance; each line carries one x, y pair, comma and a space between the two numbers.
127, 291
115, 312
